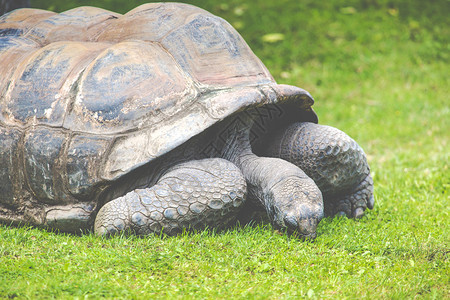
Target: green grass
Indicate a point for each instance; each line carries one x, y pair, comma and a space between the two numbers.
379, 70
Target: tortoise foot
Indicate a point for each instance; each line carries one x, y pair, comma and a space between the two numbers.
354, 203
192, 195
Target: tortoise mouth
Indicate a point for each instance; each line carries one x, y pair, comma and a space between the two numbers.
302, 237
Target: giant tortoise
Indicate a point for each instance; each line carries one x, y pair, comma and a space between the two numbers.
160, 120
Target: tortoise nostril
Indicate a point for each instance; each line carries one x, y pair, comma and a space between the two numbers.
291, 222
303, 226
307, 226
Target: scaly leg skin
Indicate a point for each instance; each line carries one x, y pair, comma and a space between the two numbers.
291, 199
191, 195
335, 162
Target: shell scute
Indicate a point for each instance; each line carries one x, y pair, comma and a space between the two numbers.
42, 155
13, 46
213, 53
237, 99
23, 19
129, 85
13, 51
84, 156
41, 90
9, 175
78, 24
148, 22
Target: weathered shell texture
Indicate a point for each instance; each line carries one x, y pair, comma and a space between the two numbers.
88, 95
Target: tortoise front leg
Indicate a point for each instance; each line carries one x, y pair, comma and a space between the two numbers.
335, 162
195, 194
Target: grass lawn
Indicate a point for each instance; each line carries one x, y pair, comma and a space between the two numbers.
379, 70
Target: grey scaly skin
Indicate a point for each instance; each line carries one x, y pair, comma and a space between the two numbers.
335, 162
194, 195
308, 161
291, 199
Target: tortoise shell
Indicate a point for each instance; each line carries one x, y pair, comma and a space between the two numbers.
89, 95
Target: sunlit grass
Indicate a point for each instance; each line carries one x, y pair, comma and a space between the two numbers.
379, 71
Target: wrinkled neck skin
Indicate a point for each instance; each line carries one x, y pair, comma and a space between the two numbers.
291, 199
234, 142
